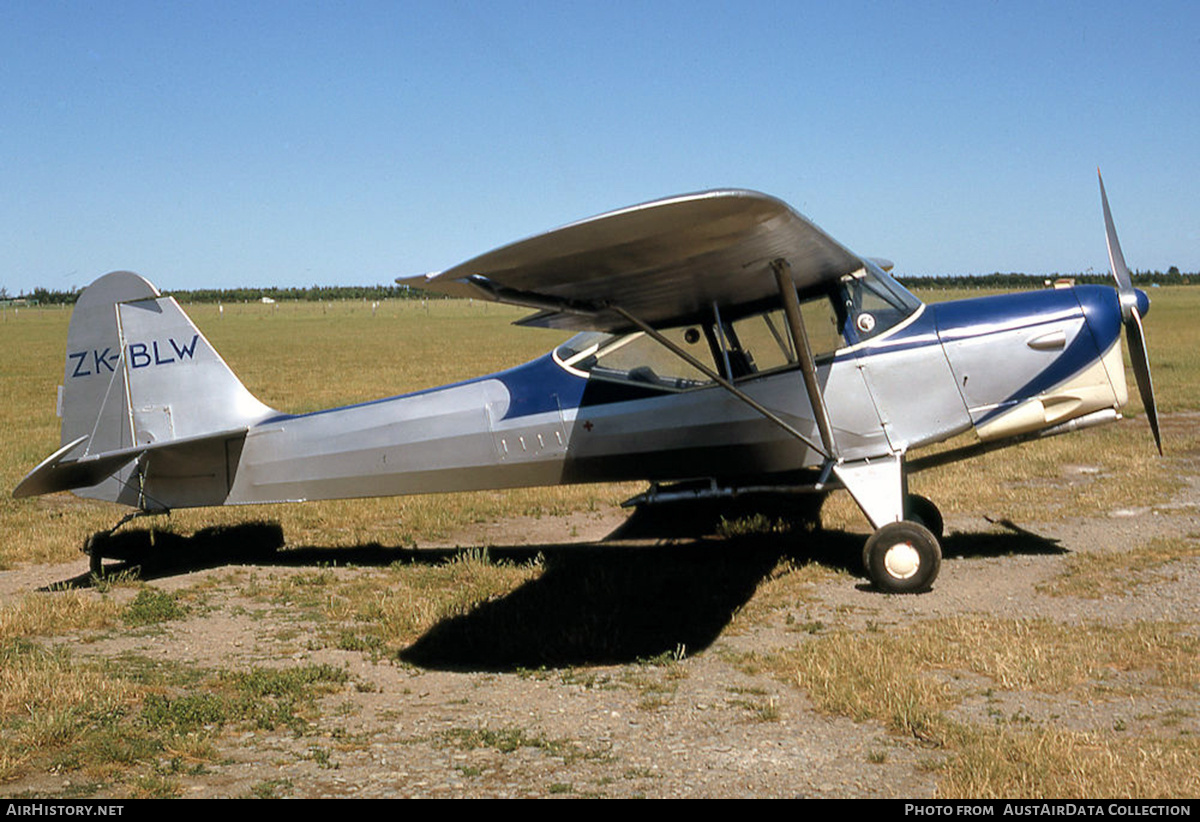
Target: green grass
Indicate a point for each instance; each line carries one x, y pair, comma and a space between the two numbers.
151, 606
509, 740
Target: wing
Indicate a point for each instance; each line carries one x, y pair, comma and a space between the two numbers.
665, 262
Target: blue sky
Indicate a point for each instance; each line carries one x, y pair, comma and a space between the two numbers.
218, 144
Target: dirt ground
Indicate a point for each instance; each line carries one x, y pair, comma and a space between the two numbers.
456, 724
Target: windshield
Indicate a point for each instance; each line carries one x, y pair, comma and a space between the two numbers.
874, 303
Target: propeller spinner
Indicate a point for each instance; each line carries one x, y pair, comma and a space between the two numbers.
1132, 319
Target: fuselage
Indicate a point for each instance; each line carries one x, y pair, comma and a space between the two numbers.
1001, 365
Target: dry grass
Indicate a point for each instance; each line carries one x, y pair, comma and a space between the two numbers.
390, 609
1115, 574
1047, 762
49, 704
57, 713
47, 700
55, 613
789, 585
912, 683
858, 677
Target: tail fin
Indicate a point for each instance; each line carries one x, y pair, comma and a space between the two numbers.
139, 376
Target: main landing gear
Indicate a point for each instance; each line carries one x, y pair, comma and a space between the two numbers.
904, 557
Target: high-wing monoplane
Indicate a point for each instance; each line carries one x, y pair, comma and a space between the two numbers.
726, 347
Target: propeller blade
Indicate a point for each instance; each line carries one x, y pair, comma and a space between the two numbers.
1116, 259
1141, 370
1135, 335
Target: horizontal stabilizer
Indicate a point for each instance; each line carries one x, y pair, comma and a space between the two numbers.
58, 473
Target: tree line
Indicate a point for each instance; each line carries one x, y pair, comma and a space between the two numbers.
314, 293
1015, 281
317, 293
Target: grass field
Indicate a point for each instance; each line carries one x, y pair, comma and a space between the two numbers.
57, 712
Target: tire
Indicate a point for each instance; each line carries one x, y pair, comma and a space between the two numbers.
902, 558
93, 546
921, 510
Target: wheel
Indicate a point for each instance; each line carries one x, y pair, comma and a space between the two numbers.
902, 558
921, 510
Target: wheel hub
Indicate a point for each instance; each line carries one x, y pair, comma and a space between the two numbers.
902, 560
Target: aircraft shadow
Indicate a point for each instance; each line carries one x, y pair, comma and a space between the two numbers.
1013, 541
613, 603
148, 554
601, 604
594, 603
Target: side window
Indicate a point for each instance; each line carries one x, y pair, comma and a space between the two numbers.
639, 358
823, 325
747, 346
765, 342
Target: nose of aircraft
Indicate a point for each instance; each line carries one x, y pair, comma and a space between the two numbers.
1102, 308
1143, 302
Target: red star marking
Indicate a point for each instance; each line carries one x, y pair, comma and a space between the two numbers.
588, 425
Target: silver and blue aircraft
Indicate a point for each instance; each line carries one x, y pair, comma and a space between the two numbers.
727, 347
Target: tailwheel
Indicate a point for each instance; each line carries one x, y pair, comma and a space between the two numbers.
921, 510
93, 546
902, 558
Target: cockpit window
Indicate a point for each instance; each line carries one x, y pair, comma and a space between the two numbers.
743, 348
637, 358
861, 306
766, 341
874, 303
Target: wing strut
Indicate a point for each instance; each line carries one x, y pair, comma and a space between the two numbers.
721, 381
808, 367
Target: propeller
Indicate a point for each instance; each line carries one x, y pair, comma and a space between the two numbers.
1132, 319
